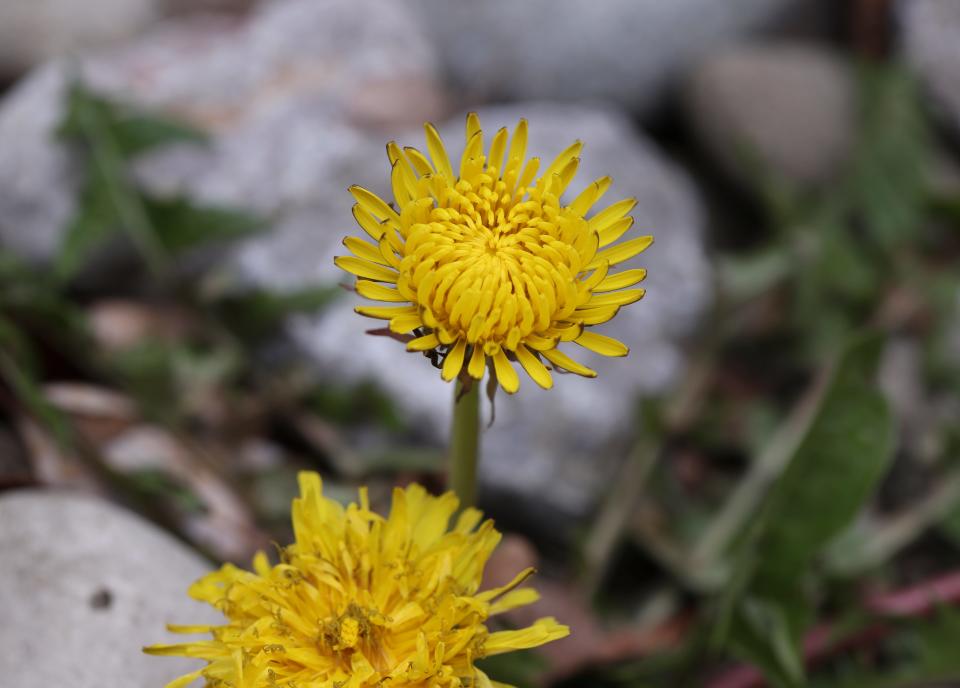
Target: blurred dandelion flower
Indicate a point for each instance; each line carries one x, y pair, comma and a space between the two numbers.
359, 600
489, 266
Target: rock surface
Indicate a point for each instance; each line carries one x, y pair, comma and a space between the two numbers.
626, 51
83, 586
931, 45
785, 109
550, 444
35, 30
306, 75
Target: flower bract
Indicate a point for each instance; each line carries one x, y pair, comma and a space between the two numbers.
362, 600
483, 266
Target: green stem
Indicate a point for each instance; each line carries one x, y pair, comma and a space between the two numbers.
465, 443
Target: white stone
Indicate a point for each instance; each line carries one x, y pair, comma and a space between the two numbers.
627, 51
35, 30
84, 585
931, 44
786, 109
310, 65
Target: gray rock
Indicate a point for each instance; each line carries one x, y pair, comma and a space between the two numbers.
34, 31
931, 44
621, 50
317, 67
552, 445
84, 586
786, 109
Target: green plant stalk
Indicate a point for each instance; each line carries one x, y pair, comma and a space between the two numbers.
465, 443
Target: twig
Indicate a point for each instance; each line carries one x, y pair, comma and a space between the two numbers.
763, 472
608, 529
126, 200
822, 642
884, 540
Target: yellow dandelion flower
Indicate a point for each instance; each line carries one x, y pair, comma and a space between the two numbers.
485, 266
359, 600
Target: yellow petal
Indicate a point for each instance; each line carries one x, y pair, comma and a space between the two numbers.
473, 125
590, 195
361, 249
570, 152
385, 312
615, 298
364, 268
541, 632
378, 292
497, 148
368, 222
506, 376
478, 362
514, 599
612, 213
627, 278
424, 343
616, 230
601, 344
518, 150
406, 322
621, 252
535, 369
373, 203
561, 360
438, 153
596, 316
599, 274
419, 161
453, 362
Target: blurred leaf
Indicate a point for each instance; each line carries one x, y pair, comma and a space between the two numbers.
148, 371
353, 404
160, 484
405, 459
922, 653
833, 472
255, 314
17, 371
109, 201
746, 276
181, 224
892, 157
94, 221
133, 130
521, 669
763, 634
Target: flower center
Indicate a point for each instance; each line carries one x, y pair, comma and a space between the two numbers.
492, 267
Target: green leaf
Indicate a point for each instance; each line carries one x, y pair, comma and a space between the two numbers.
763, 633
109, 202
890, 179
833, 472
834, 469
743, 277
94, 222
255, 314
181, 224
157, 483
133, 130
521, 669
356, 403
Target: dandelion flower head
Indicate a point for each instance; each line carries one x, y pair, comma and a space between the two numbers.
361, 600
485, 266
